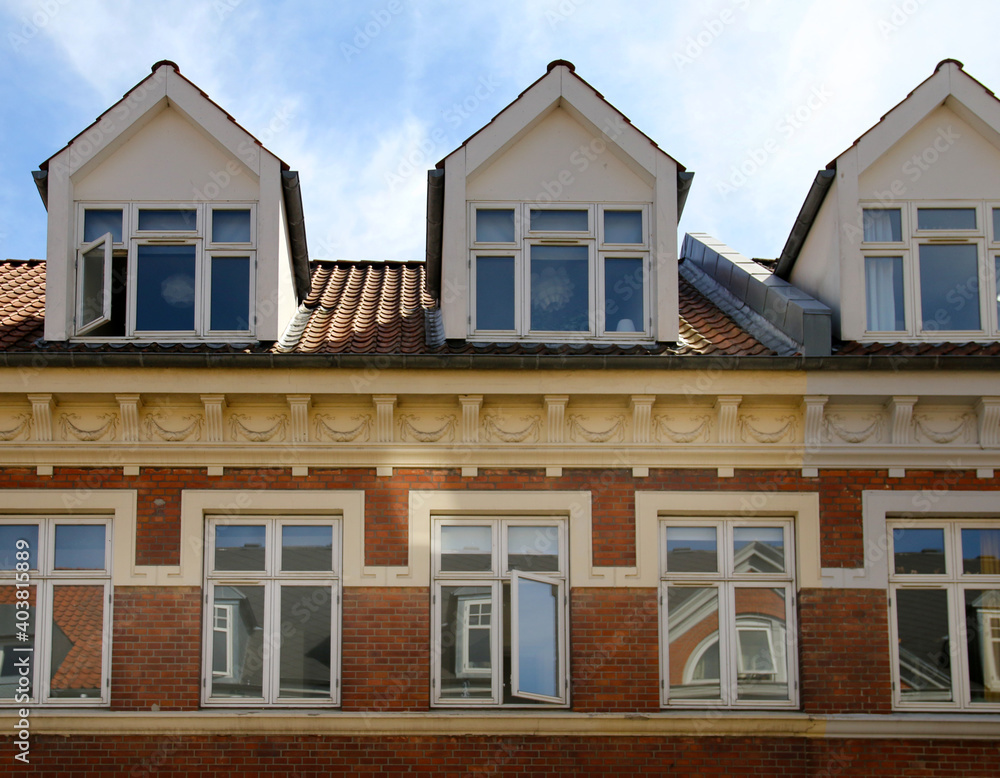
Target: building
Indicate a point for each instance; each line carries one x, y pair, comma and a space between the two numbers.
564, 498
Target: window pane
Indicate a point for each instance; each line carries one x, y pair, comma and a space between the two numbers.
882, 225
996, 225
466, 548
231, 225
982, 619
996, 276
495, 225
693, 633
92, 298
97, 221
981, 551
239, 547
165, 288
560, 221
467, 621
949, 287
692, 550
560, 288
241, 672
77, 641
80, 547
538, 638
230, 293
759, 549
495, 293
623, 282
924, 658
918, 551
10, 534
306, 547
623, 227
946, 218
304, 667
533, 549
884, 294
761, 662
168, 219
10, 626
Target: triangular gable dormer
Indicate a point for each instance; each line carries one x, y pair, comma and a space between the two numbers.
168, 222
900, 235
557, 222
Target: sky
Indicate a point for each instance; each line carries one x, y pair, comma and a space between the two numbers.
753, 96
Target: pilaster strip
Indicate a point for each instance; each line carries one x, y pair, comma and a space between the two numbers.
642, 417
385, 405
42, 407
128, 407
555, 405
471, 405
214, 405
299, 405
727, 413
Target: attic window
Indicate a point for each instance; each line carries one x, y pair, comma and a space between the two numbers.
165, 271
571, 271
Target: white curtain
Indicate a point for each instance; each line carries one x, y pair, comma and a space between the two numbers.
880, 286
878, 225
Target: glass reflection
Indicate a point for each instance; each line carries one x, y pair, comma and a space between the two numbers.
305, 642
924, 647
693, 629
759, 549
467, 621
238, 641
77, 641
761, 663
918, 551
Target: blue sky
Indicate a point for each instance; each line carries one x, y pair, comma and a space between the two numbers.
754, 96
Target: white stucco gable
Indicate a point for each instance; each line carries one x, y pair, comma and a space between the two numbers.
561, 144
167, 147
935, 154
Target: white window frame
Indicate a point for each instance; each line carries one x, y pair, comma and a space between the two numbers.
205, 252
272, 579
494, 580
83, 327
46, 579
987, 249
520, 250
725, 581
954, 582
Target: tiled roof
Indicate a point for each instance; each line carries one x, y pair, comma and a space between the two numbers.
22, 303
903, 350
79, 612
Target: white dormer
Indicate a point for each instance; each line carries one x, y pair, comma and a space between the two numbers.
559, 224
901, 234
168, 222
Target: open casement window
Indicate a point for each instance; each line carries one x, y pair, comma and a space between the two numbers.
499, 610
944, 602
727, 601
93, 304
167, 272
272, 612
55, 611
560, 272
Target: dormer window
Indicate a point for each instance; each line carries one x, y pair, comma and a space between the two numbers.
566, 271
165, 271
926, 271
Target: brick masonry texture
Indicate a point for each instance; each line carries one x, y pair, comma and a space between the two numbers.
530, 757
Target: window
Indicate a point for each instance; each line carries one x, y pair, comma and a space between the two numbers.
161, 271
272, 612
944, 599
571, 271
931, 278
727, 602
499, 611
55, 611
